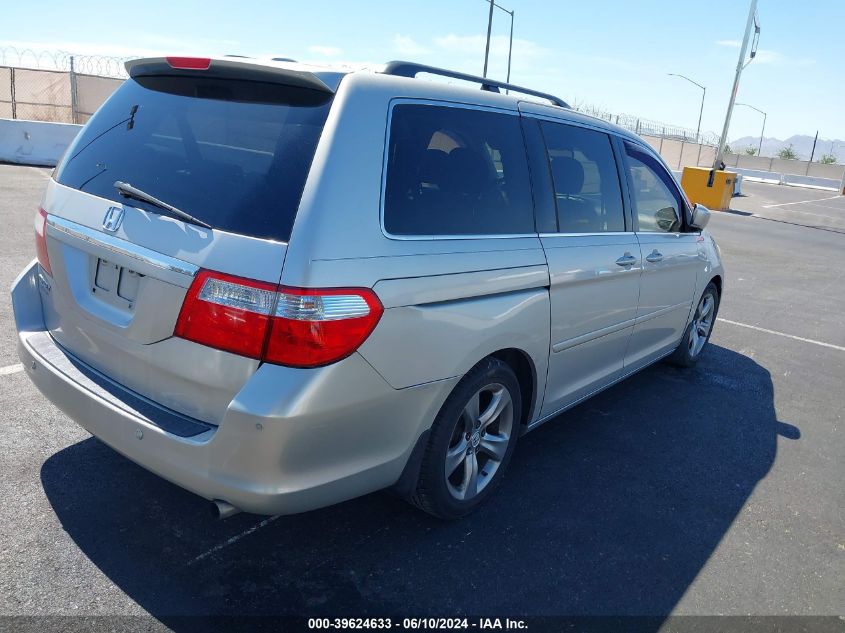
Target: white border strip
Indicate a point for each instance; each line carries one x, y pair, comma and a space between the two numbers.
11, 369
792, 336
786, 204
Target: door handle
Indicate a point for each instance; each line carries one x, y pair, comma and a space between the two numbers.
654, 257
626, 260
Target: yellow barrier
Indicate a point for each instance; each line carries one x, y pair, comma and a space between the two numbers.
714, 192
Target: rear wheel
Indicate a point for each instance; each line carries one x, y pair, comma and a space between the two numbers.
699, 330
471, 442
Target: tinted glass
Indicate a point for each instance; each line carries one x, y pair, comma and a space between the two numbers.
586, 180
456, 171
656, 205
232, 153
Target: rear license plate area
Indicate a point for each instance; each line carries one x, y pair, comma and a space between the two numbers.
116, 284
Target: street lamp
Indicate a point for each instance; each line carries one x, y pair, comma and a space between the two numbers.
701, 110
489, 30
760, 146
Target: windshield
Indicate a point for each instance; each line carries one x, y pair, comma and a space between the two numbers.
234, 154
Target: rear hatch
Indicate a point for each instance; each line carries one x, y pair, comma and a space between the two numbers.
229, 143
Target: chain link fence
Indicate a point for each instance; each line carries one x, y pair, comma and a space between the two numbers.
649, 127
58, 87
68, 88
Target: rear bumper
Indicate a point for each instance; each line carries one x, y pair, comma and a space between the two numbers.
291, 440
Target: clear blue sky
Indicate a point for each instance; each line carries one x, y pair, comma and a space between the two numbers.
609, 53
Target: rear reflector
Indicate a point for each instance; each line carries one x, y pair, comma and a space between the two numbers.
287, 326
41, 241
189, 63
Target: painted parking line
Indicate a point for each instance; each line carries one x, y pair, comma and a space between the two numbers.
234, 539
11, 369
785, 204
783, 334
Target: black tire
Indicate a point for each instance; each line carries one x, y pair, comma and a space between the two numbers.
687, 354
435, 492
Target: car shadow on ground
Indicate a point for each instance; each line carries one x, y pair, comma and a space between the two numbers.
613, 508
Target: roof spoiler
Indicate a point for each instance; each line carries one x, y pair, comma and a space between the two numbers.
235, 68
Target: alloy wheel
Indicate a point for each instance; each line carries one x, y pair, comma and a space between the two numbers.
479, 441
702, 323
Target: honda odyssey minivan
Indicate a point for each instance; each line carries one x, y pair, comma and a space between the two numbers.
281, 286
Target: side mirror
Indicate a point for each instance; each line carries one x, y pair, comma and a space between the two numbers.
700, 217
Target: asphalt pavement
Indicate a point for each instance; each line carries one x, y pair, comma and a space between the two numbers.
716, 490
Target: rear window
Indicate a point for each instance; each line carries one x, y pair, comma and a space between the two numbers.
232, 153
456, 171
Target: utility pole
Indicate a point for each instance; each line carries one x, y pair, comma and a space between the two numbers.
813, 152
720, 153
489, 29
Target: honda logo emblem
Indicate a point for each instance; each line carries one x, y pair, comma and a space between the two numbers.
112, 219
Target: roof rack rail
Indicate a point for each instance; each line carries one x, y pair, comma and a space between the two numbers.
412, 69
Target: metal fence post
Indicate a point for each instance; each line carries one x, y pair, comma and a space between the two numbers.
74, 108
681, 155
12, 90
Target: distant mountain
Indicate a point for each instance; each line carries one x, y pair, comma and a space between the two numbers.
801, 143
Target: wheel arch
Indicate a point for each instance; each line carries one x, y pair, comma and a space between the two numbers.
526, 373
717, 281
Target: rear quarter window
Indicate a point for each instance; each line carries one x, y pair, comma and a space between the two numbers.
454, 171
232, 153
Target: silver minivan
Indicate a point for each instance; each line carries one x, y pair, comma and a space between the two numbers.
281, 286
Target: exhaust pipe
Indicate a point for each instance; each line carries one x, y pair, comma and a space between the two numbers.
222, 510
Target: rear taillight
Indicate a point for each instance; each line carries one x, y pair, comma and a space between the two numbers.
287, 326
41, 241
226, 312
312, 327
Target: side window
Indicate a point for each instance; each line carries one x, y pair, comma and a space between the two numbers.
586, 180
456, 171
656, 202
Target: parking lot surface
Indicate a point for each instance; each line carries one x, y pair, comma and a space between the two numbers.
716, 490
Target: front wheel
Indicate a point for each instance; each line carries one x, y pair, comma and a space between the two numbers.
471, 442
699, 330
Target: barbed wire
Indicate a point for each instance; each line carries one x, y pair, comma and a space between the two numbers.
100, 65
650, 127
113, 66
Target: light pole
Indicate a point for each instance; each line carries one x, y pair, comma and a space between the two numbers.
510, 44
763, 131
489, 30
701, 110
741, 64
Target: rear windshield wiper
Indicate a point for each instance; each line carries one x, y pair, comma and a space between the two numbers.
128, 191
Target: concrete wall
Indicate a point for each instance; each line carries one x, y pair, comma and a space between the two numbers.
679, 154
34, 142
